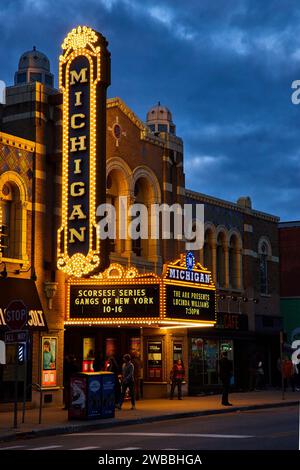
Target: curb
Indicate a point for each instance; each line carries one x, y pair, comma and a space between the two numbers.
69, 429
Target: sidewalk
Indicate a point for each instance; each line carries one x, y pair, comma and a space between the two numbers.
55, 421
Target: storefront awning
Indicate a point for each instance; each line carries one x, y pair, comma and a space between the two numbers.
25, 290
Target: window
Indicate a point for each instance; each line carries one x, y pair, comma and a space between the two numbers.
12, 219
162, 128
152, 127
221, 277
233, 262
21, 77
48, 80
207, 251
263, 268
35, 77
4, 229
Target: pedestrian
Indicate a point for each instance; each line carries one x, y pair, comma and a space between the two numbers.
177, 377
288, 373
98, 364
127, 381
225, 372
260, 375
137, 363
111, 365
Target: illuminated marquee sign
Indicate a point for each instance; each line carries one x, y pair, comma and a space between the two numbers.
123, 296
83, 78
118, 295
188, 291
128, 301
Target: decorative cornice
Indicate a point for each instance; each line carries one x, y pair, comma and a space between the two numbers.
18, 142
145, 132
230, 205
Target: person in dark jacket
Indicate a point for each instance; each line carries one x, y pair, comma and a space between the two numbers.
177, 377
225, 375
127, 381
112, 366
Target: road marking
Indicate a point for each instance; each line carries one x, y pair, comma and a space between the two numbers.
11, 447
162, 434
86, 448
45, 448
129, 448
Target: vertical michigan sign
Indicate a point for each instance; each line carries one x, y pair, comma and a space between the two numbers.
84, 75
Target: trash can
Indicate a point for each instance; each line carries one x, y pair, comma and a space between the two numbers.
92, 395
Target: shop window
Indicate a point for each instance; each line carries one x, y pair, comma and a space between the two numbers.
204, 362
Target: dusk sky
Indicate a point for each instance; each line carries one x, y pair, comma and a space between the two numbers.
223, 67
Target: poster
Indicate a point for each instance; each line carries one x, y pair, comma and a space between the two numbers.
108, 396
155, 360
88, 349
78, 397
49, 358
177, 351
94, 396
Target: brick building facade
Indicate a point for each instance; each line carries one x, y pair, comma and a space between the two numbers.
145, 163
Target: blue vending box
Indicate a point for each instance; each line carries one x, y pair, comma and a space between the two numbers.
107, 395
94, 385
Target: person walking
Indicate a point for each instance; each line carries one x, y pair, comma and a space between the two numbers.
288, 373
225, 372
111, 365
177, 377
127, 381
137, 363
260, 375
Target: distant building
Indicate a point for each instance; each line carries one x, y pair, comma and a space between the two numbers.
289, 245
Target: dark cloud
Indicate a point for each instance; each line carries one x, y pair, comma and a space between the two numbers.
224, 68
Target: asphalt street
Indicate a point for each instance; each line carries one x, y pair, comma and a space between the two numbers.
272, 429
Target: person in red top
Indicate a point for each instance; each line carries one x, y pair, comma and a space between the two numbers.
288, 373
177, 377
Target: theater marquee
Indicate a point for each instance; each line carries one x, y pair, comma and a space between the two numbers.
189, 293
123, 296
83, 79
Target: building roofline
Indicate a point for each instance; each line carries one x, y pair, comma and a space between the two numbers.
231, 205
289, 224
117, 102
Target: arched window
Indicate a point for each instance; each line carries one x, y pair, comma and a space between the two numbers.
207, 250
11, 221
263, 268
221, 276
233, 262
142, 192
116, 187
13, 216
